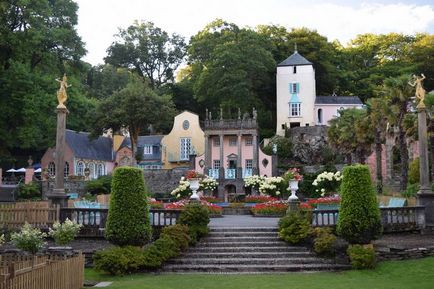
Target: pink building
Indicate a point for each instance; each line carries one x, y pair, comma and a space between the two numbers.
232, 153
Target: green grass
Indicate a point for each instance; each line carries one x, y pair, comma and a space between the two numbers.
412, 274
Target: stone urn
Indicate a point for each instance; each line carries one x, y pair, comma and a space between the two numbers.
293, 187
194, 186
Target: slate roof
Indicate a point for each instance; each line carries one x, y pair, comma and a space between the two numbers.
295, 59
338, 100
83, 147
153, 140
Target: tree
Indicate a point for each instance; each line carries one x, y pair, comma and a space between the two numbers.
104, 80
149, 51
135, 108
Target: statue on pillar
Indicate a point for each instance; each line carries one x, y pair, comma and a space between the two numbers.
61, 93
420, 92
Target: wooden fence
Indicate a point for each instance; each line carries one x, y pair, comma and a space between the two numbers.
42, 272
398, 219
38, 214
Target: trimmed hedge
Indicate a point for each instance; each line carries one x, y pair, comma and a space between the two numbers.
196, 217
128, 218
294, 228
359, 215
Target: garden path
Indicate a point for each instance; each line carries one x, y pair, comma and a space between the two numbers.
243, 221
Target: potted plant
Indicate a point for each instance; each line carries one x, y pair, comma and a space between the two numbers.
293, 176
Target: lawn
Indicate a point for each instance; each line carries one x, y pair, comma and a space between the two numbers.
412, 274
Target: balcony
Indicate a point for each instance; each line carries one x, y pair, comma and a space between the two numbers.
213, 173
247, 173
230, 174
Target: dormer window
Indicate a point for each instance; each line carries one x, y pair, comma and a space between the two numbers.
147, 150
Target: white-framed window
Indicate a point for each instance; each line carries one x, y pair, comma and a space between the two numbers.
249, 164
232, 141
51, 169
294, 108
294, 88
216, 141
216, 164
147, 150
100, 171
91, 167
185, 148
249, 141
66, 170
80, 169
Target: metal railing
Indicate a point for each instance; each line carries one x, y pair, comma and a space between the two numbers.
214, 173
230, 174
247, 173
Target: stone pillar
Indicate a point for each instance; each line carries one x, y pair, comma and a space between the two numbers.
425, 197
222, 164
28, 178
1, 176
255, 154
239, 158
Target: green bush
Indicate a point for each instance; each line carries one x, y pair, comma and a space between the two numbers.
284, 147
30, 191
361, 257
324, 241
196, 217
128, 217
29, 239
413, 171
64, 233
411, 190
179, 233
305, 187
101, 185
359, 215
294, 227
119, 260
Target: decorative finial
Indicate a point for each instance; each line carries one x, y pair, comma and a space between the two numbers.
255, 114
295, 47
221, 113
239, 113
206, 113
210, 116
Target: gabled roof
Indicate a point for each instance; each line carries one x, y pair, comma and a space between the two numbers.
154, 140
83, 147
338, 100
295, 59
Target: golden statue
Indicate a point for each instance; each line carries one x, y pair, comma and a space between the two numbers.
61, 93
420, 92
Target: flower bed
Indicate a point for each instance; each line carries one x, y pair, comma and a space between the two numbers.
180, 205
313, 203
212, 199
156, 204
275, 208
260, 199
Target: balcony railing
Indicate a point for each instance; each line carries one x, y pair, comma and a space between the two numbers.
213, 173
247, 173
230, 174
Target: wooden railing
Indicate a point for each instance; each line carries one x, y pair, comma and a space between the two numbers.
36, 214
39, 272
393, 219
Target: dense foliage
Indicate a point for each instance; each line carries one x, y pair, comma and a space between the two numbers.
28, 239
101, 185
64, 233
359, 215
294, 227
128, 217
361, 257
30, 191
196, 217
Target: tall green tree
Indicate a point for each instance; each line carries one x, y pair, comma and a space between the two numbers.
134, 108
149, 51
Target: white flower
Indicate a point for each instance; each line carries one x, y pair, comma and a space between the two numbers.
323, 194
178, 195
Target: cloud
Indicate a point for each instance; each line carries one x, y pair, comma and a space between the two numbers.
99, 20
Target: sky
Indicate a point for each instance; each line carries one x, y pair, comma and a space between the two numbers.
100, 20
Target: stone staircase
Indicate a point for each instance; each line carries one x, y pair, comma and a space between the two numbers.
247, 251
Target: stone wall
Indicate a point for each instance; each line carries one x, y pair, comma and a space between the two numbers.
163, 181
308, 143
391, 253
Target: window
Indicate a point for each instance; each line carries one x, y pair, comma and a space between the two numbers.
320, 115
92, 172
66, 170
294, 88
216, 164
233, 141
294, 69
51, 169
249, 141
185, 148
217, 141
147, 150
249, 164
80, 169
100, 170
294, 109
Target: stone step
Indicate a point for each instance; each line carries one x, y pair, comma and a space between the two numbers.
244, 254
251, 261
242, 244
241, 234
253, 268
243, 229
241, 239
240, 249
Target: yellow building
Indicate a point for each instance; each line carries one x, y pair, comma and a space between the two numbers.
185, 138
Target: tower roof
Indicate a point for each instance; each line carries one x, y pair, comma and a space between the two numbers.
295, 59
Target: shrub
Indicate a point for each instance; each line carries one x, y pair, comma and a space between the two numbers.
327, 183
411, 190
29, 239
29, 191
359, 215
324, 241
101, 185
294, 227
361, 257
413, 171
168, 247
196, 217
179, 233
305, 187
64, 233
128, 217
119, 260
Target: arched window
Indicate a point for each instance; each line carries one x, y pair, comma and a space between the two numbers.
51, 169
320, 115
66, 170
80, 169
91, 167
100, 170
